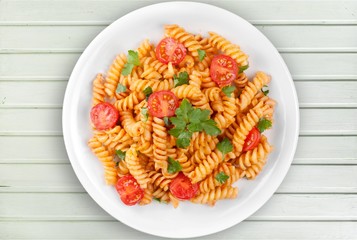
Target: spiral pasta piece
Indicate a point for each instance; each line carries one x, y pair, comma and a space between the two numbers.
186, 164
206, 167
210, 183
205, 63
227, 116
148, 195
212, 93
224, 192
159, 180
241, 80
228, 48
255, 155
195, 79
98, 89
161, 195
144, 48
247, 124
111, 81
122, 169
166, 70
110, 173
135, 168
133, 128
159, 140
188, 40
150, 73
129, 102
204, 149
115, 139
156, 85
187, 91
252, 89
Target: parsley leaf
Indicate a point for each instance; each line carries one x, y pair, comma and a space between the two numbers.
189, 120
147, 91
228, 90
120, 88
128, 67
133, 60
221, 177
145, 113
243, 68
225, 146
264, 124
181, 79
183, 140
157, 199
183, 110
120, 154
174, 166
166, 121
265, 91
195, 127
176, 132
201, 54
210, 127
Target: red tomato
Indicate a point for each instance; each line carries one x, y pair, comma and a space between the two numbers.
252, 140
223, 70
129, 190
182, 188
162, 104
170, 50
104, 116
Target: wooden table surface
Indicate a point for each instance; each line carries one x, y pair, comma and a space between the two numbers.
40, 196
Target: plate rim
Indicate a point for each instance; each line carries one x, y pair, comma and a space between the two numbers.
85, 181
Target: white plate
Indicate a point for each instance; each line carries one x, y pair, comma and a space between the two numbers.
188, 220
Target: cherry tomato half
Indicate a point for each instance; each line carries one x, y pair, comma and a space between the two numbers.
162, 104
170, 50
223, 70
104, 116
182, 188
129, 190
252, 140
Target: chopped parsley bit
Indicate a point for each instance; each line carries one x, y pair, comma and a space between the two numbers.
144, 112
225, 146
174, 166
265, 91
147, 91
243, 68
133, 60
181, 79
189, 120
201, 54
121, 88
221, 177
264, 124
166, 121
120, 154
228, 90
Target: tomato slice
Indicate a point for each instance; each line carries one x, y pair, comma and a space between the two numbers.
162, 104
182, 188
104, 116
129, 190
252, 140
223, 70
170, 50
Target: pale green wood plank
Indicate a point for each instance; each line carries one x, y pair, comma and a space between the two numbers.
59, 66
48, 121
117, 230
76, 38
106, 11
50, 94
61, 178
79, 206
51, 149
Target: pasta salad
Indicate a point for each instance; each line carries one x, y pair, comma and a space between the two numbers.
180, 120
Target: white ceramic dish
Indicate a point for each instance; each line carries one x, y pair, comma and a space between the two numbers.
188, 220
